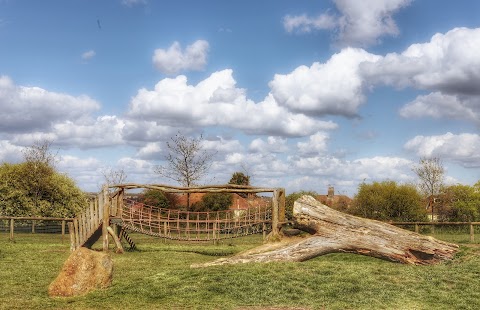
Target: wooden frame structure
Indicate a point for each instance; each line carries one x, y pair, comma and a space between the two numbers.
107, 207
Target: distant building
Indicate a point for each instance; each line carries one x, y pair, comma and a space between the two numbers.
339, 202
238, 202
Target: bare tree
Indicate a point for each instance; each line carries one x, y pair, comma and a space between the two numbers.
40, 153
40, 163
430, 171
186, 162
113, 176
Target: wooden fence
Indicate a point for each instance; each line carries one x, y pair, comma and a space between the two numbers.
33, 227
417, 226
86, 224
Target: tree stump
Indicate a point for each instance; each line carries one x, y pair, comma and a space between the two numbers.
336, 232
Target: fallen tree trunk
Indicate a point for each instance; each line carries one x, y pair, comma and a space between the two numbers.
336, 232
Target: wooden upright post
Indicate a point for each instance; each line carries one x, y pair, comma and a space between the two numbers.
71, 231
12, 226
472, 233
275, 218
106, 217
120, 202
281, 205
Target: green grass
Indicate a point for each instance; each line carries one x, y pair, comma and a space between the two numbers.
158, 276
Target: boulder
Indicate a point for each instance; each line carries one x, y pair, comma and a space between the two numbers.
83, 271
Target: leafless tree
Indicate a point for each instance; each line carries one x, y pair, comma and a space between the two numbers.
430, 171
40, 163
40, 152
112, 176
187, 161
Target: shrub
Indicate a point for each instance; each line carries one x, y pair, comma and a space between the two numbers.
36, 189
155, 198
214, 202
389, 201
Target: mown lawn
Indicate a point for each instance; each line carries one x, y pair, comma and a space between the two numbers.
158, 276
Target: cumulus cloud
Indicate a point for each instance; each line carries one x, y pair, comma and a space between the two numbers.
448, 63
439, 105
100, 132
131, 3
316, 143
305, 24
463, 148
222, 145
359, 23
88, 55
174, 60
10, 152
151, 150
369, 169
216, 101
27, 109
448, 66
334, 87
271, 145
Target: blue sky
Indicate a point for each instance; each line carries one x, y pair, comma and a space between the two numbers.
298, 94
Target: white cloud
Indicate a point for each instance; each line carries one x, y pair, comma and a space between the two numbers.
448, 66
305, 24
222, 145
151, 150
363, 169
439, 105
316, 144
463, 148
131, 3
100, 132
448, 63
334, 88
10, 152
174, 60
88, 55
85, 171
26, 109
216, 101
360, 23
138, 130
272, 145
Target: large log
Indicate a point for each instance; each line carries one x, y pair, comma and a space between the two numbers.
336, 232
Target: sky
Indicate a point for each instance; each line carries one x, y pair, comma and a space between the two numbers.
299, 94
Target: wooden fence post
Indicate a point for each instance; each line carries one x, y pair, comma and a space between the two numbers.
33, 226
472, 233
416, 228
275, 201
12, 226
71, 230
63, 230
106, 217
281, 205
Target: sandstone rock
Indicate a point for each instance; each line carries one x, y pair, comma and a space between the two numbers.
83, 271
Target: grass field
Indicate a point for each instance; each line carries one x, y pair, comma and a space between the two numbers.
158, 276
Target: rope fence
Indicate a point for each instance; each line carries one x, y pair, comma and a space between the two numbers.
195, 226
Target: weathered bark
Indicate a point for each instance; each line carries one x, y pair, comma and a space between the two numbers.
333, 232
